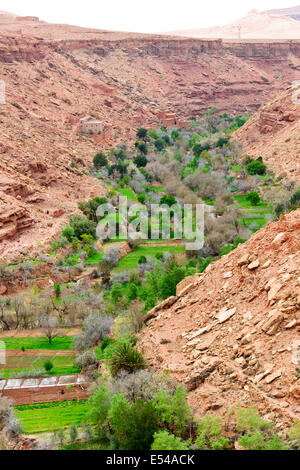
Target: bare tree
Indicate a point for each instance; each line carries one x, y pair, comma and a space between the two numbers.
49, 326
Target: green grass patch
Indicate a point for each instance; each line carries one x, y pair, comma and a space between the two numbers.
19, 362
155, 189
72, 260
128, 192
94, 259
104, 353
243, 202
257, 222
264, 177
236, 168
156, 241
59, 343
47, 417
130, 261
209, 202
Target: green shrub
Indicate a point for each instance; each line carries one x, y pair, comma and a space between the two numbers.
82, 225
279, 209
100, 160
295, 199
105, 342
99, 404
133, 424
68, 233
294, 435
163, 440
256, 167
159, 144
142, 133
89, 208
257, 432
222, 141
48, 365
253, 198
73, 433
173, 411
57, 290
175, 134
169, 282
125, 357
120, 154
199, 148
132, 292
257, 440
209, 434
169, 200
116, 292
142, 198
141, 160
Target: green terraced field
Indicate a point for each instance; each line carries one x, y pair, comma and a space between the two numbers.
128, 193
131, 260
13, 362
47, 417
63, 365
155, 189
94, 259
245, 204
255, 216
59, 343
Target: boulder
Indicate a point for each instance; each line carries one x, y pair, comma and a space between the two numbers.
192, 382
271, 326
225, 314
253, 265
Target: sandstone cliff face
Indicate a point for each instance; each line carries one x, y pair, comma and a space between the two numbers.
56, 73
13, 219
273, 133
232, 333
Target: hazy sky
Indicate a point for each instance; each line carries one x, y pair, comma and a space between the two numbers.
141, 15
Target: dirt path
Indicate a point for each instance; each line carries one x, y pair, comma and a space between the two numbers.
38, 333
38, 352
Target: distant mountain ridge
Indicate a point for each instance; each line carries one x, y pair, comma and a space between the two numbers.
293, 12
55, 74
255, 25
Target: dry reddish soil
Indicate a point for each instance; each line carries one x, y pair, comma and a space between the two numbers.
56, 73
232, 333
26, 396
273, 133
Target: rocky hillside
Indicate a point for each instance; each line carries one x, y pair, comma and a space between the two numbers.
232, 333
56, 73
273, 133
255, 25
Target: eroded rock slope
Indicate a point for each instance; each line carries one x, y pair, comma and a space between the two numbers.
232, 333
